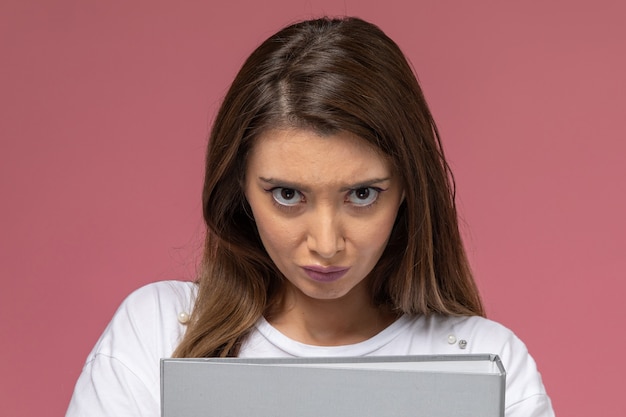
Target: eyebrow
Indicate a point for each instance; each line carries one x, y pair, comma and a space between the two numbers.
301, 187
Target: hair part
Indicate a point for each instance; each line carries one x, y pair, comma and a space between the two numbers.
327, 75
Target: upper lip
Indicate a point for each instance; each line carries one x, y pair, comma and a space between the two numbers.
325, 269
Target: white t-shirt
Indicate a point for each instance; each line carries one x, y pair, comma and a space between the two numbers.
122, 374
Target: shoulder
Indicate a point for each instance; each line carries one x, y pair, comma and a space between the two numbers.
163, 296
159, 302
148, 317
121, 375
478, 335
459, 334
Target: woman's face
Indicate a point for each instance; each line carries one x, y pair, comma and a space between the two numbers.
324, 207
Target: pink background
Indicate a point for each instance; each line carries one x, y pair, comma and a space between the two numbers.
105, 107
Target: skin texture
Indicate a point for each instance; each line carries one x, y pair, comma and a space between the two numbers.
324, 202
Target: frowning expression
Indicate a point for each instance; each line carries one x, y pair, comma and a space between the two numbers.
324, 207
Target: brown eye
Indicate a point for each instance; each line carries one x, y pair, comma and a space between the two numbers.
286, 196
287, 193
363, 196
362, 193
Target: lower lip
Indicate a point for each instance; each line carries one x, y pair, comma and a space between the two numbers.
325, 276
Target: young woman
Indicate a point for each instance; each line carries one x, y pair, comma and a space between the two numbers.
331, 231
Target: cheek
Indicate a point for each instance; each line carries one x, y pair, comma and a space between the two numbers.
371, 238
266, 225
277, 236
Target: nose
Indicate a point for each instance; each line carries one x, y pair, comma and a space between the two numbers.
325, 235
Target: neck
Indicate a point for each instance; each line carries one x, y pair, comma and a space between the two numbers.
347, 320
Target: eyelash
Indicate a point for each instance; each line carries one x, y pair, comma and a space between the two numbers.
290, 208
377, 192
285, 207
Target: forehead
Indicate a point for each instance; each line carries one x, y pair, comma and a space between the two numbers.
305, 155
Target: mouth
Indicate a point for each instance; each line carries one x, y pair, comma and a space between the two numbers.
325, 274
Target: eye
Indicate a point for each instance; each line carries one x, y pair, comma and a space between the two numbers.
286, 196
363, 196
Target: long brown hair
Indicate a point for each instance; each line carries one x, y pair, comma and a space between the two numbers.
328, 75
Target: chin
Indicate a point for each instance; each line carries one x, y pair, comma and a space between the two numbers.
326, 295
